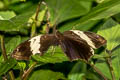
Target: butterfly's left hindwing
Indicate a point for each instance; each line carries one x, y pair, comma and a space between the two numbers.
22, 51
38, 44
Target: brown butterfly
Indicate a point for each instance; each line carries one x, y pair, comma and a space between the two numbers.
75, 44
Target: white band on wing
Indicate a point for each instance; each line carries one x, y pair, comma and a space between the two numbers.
84, 37
35, 44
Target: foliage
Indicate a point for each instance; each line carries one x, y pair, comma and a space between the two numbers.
18, 23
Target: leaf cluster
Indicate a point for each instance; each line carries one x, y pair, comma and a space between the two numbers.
19, 19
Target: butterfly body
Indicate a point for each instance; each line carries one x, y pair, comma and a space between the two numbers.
75, 44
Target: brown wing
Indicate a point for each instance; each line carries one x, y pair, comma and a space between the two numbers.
79, 44
96, 39
38, 44
22, 51
93, 39
76, 50
74, 47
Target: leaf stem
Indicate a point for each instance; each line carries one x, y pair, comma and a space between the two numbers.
48, 21
47, 18
5, 56
33, 29
110, 63
26, 73
97, 70
3, 48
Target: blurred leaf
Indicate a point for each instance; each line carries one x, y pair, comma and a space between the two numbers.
46, 75
109, 23
78, 71
7, 65
0, 78
1, 5
102, 65
116, 63
12, 43
104, 68
20, 65
51, 56
17, 22
6, 15
71, 25
21, 7
117, 17
61, 10
112, 35
103, 10
1, 58
91, 76
41, 16
14, 1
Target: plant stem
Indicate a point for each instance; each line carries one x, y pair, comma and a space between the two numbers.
3, 48
26, 73
97, 70
48, 18
110, 64
33, 29
5, 56
37, 11
111, 68
48, 21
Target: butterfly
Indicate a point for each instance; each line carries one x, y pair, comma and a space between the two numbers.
75, 44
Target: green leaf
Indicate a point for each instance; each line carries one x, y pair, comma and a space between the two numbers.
51, 56
117, 17
1, 58
21, 8
7, 65
78, 71
104, 68
112, 36
1, 4
61, 10
109, 23
46, 75
71, 25
41, 16
17, 22
101, 11
6, 15
116, 63
90, 75
12, 43
102, 65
